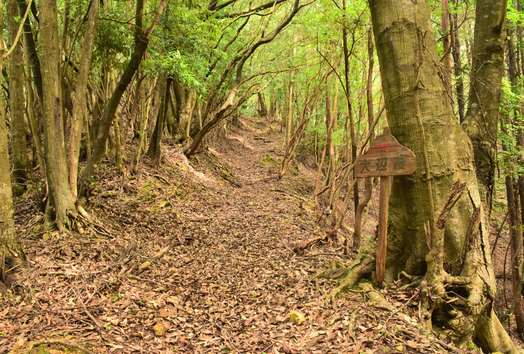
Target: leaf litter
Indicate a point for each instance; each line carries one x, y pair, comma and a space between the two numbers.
197, 257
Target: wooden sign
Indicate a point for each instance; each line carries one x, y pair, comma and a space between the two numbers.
385, 158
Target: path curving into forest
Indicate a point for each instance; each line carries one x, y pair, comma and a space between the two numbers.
198, 258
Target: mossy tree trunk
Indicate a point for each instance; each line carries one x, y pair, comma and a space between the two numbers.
421, 118
79, 103
482, 116
10, 248
61, 204
21, 164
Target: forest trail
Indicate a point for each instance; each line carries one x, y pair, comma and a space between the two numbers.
198, 258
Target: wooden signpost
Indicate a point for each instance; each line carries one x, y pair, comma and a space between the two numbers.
385, 158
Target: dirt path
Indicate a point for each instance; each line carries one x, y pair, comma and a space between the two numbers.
196, 259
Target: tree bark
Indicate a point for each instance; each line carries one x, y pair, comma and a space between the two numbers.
154, 146
457, 65
141, 42
481, 122
11, 251
368, 183
61, 201
446, 47
21, 164
421, 118
349, 105
29, 43
511, 120
79, 103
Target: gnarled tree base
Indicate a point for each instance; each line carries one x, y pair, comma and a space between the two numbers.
466, 321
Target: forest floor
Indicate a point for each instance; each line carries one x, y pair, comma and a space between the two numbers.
197, 257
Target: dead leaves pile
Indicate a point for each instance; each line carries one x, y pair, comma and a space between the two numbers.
195, 270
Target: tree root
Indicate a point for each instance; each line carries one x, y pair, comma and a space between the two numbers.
362, 266
302, 246
68, 345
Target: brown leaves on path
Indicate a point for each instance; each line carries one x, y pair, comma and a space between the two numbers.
194, 263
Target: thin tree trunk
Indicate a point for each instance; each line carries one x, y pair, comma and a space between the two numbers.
33, 123
515, 229
79, 104
357, 235
10, 248
457, 67
350, 106
446, 47
154, 146
60, 197
262, 107
30, 46
141, 42
21, 164
289, 116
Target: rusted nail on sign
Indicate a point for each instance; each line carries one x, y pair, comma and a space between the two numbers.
385, 158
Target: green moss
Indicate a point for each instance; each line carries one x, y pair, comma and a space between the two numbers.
155, 191
269, 161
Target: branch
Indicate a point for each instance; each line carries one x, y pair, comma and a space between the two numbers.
255, 10
19, 32
156, 19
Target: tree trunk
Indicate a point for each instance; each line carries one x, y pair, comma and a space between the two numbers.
79, 103
421, 118
154, 146
61, 201
515, 229
368, 182
349, 105
262, 107
29, 43
11, 251
21, 164
141, 43
457, 65
446, 47
289, 116
481, 122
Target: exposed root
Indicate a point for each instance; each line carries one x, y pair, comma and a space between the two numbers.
362, 266
302, 246
60, 343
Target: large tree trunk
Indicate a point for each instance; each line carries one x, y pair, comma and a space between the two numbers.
60, 203
22, 165
421, 118
481, 122
10, 249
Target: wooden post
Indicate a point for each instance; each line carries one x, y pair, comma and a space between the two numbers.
382, 243
385, 158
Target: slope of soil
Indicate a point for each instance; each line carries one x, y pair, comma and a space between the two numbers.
197, 257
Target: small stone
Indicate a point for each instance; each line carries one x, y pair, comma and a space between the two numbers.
163, 313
